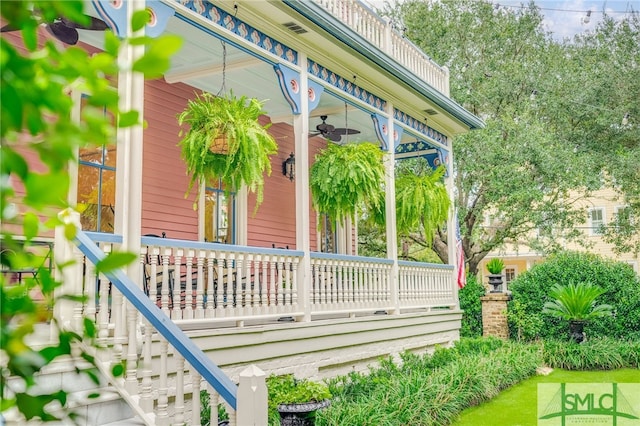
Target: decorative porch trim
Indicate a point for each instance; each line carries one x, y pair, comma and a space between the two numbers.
116, 16
289, 81
421, 127
240, 28
382, 132
345, 85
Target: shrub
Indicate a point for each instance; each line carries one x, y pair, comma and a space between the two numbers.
620, 284
470, 303
430, 389
593, 354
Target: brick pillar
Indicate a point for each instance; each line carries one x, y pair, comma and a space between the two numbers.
494, 315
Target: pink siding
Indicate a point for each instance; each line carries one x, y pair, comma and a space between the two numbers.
275, 221
164, 207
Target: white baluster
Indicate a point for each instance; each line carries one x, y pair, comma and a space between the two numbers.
164, 292
221, 298
179, 401
153, 275
210, 285
177, 312
162, 416
273, 289
90, 291
200, 286
195, 397
131, 378
146, 400
214, 399
189, 299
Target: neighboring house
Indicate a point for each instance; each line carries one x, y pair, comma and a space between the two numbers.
257, 288
600, 210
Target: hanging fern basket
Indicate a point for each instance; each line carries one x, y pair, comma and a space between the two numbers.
226, 141
346, 178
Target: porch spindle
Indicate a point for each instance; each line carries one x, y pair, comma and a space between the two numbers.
164, 291
211, 260
179, 401
188, 285
131, 379
177, 311
200, 286
162, 416
195, 397
220, 298
146, 400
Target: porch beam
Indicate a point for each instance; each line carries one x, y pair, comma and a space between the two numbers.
209, 69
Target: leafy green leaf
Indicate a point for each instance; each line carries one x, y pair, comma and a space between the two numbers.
140, 19
115, 260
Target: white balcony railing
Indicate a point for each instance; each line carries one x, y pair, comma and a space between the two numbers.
381, 34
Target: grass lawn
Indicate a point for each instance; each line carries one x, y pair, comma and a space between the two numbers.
517, 406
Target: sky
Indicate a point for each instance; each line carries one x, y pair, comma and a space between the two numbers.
565, 18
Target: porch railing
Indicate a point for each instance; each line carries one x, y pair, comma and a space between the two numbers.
382, 35
188, 284
425, 285
115, 302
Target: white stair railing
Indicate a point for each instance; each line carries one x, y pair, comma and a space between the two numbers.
149, 347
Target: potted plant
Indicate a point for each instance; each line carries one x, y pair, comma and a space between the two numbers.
226, 141
295, 401
495, 267
577, 304
346, 178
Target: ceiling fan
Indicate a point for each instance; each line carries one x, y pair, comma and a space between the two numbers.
65, 29
331, 132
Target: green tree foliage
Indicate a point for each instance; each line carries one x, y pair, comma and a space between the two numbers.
532, 289
470, 303
36, 118
522, 169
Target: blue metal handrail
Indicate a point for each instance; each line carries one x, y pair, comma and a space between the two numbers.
163, 324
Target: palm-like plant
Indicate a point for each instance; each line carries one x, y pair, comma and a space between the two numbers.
576, 302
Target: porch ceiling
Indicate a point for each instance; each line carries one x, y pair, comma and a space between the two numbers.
200, 64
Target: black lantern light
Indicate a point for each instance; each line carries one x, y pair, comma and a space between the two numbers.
289, 167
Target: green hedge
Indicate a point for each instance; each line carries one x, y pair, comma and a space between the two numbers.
530, 292
594, 354
429, 389
470, 303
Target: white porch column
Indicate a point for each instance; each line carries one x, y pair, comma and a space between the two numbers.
303, 226
390, 211
451, 224
128, 218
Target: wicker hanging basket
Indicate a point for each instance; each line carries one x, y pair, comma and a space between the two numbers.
220, 145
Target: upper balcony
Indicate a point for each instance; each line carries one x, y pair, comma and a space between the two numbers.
381, 34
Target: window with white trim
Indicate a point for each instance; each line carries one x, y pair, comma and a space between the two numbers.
96, 191
219, 215
596, 220
509, 274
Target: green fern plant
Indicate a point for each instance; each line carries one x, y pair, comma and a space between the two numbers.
422, 201
249, 143
346, 178
576, 302
495, 266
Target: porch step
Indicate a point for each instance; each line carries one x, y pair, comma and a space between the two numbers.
107, 408
133, 421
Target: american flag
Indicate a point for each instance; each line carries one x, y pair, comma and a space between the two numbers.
462, 273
